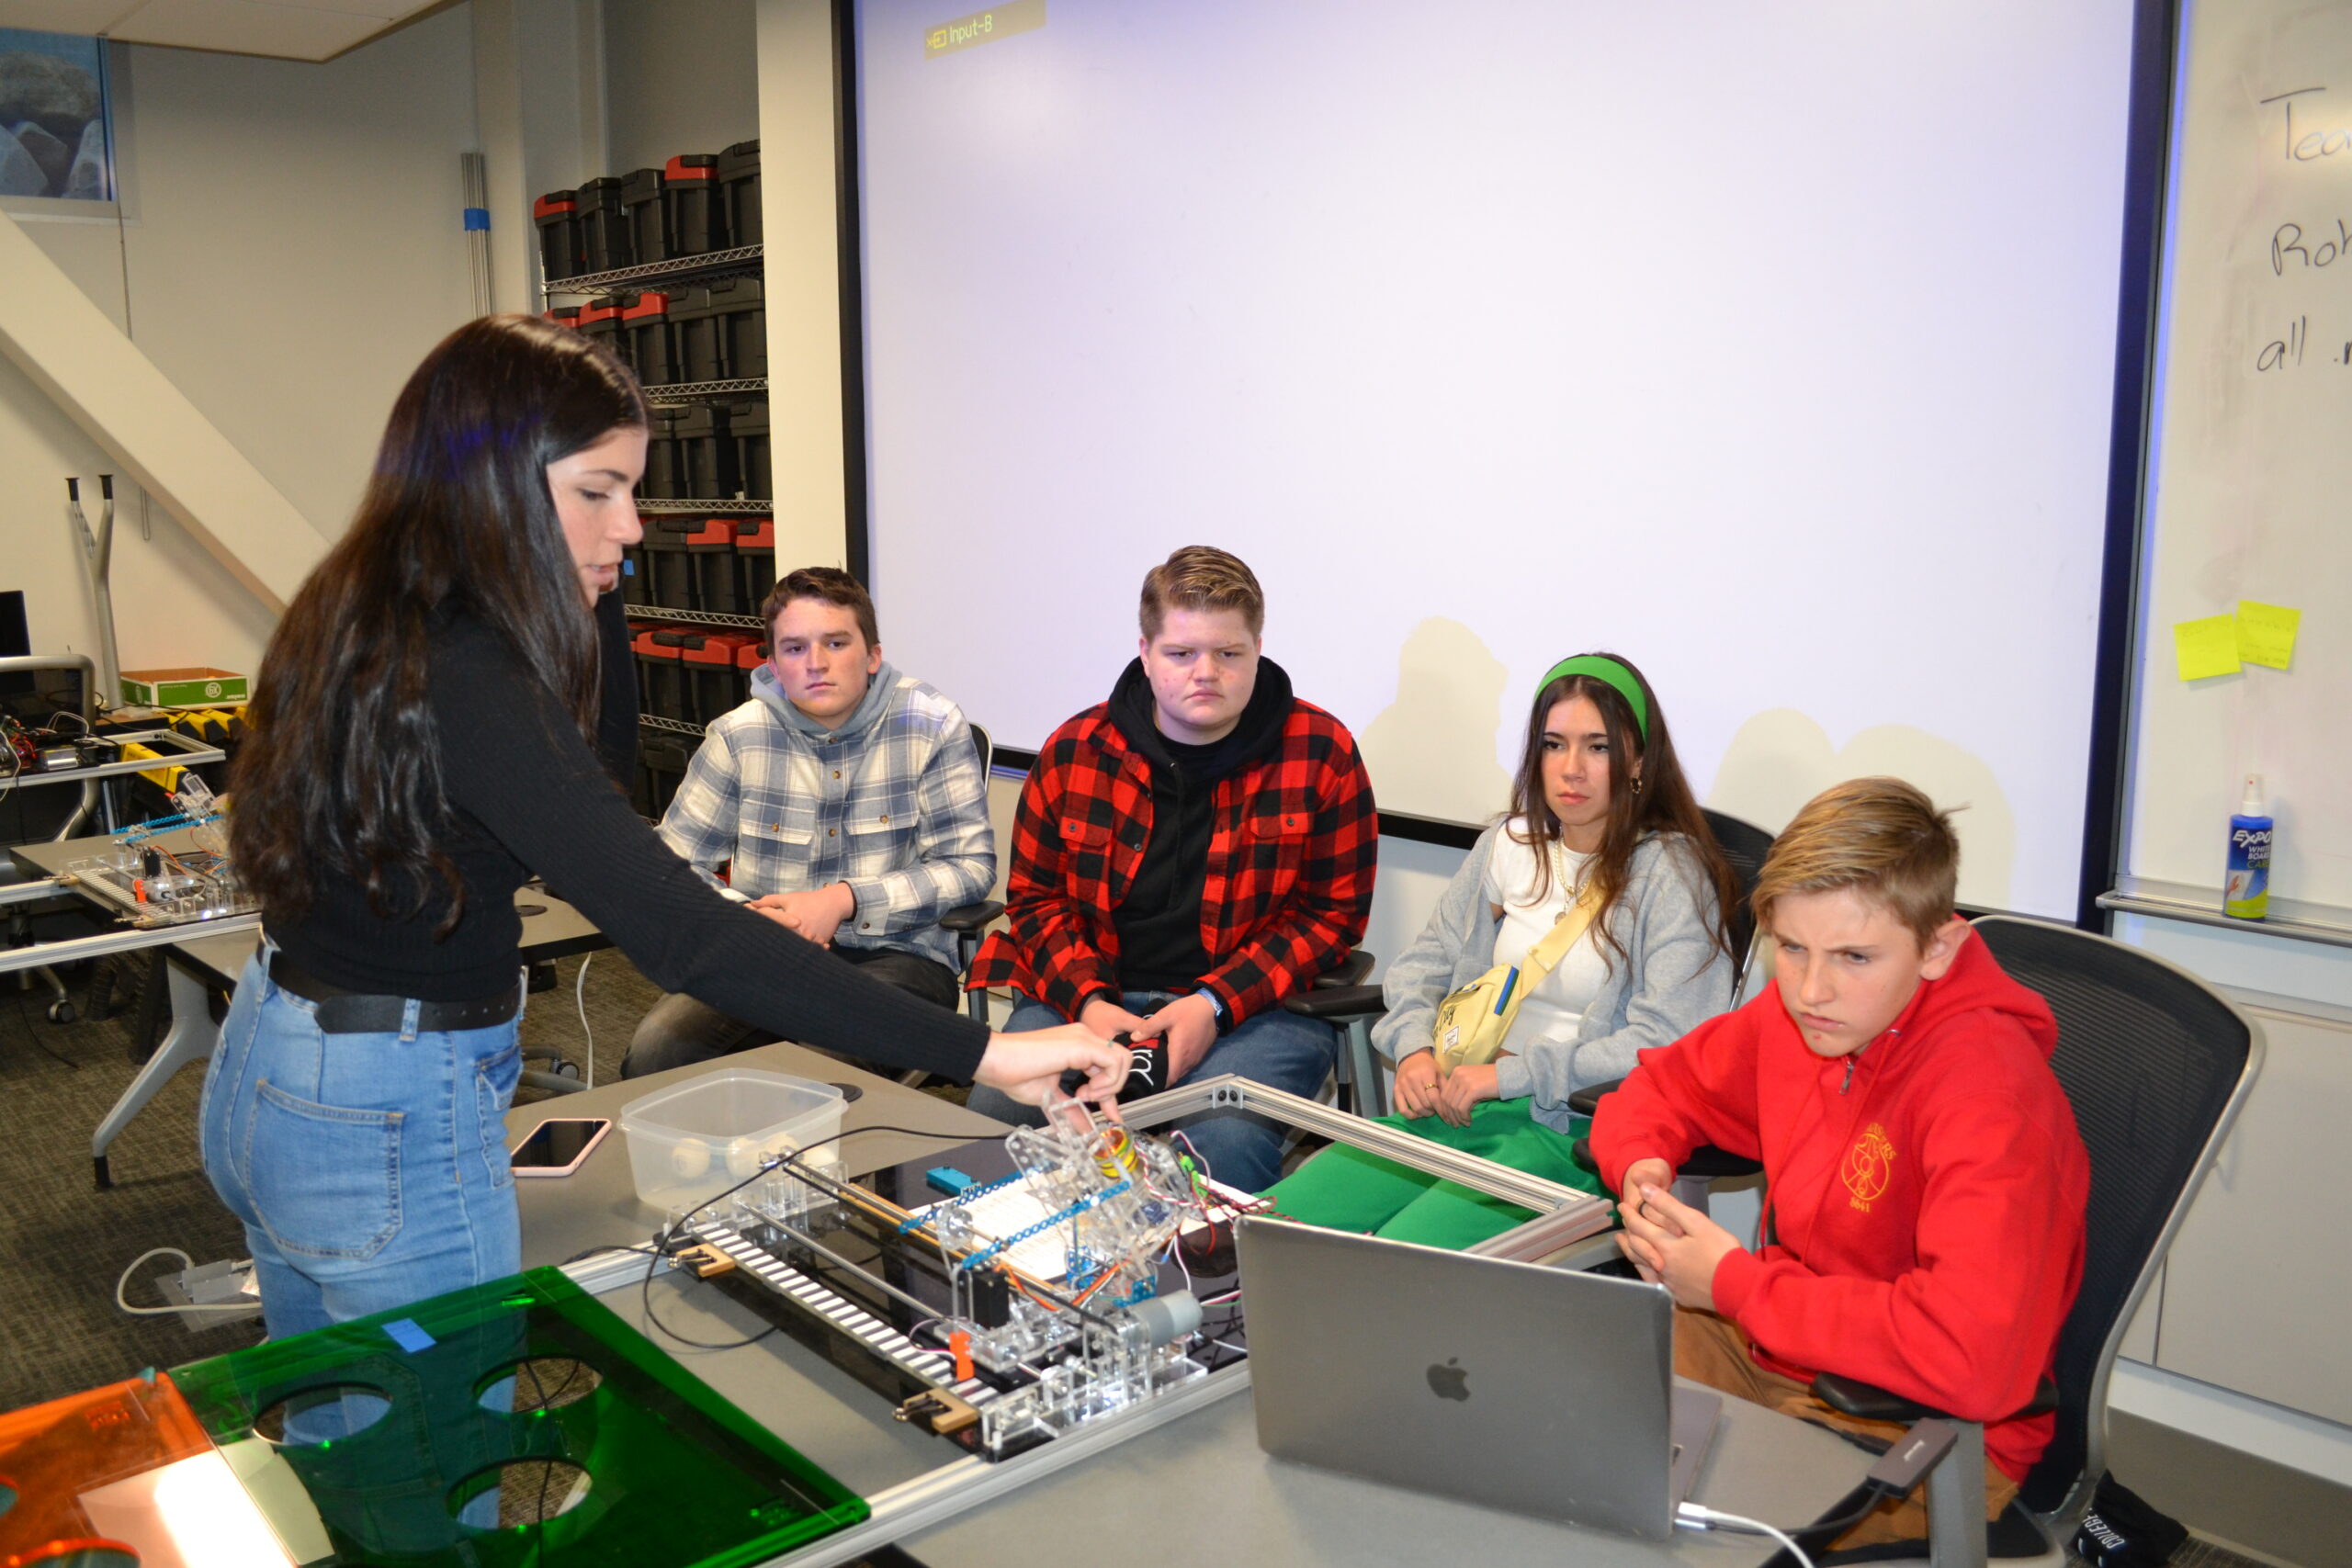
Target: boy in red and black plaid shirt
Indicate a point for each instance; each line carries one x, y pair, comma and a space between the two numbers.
1186, 855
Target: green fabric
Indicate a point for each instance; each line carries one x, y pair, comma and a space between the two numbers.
1602, 668
1348, 1190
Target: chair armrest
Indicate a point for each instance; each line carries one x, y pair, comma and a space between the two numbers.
1852, 1396
1350, 971
1709, 1162
1337, 1002
1587, 1101
971, 918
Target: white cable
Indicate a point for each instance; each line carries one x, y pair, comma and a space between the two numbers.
1699, 1516
186, 1263
580, 998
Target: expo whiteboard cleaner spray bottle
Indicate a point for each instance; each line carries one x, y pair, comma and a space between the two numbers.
2246, 891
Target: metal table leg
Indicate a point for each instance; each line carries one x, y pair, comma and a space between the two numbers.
1956, 1503
193, 1035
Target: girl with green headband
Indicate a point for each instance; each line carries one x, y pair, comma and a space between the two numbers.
1604, 825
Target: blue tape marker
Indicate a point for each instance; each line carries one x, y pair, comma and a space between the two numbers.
405, 1334
477, 218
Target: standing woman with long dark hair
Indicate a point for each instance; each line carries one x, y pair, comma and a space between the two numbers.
445, 711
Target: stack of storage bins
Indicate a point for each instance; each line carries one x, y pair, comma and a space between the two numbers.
695, 583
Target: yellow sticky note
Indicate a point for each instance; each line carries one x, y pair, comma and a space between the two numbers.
2267, 633
2204, 648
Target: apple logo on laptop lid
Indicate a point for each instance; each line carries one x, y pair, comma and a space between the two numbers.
1450, 1380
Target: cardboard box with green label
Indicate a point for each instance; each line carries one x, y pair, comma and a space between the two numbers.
193, 688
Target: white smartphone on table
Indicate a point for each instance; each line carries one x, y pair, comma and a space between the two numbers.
558, 1145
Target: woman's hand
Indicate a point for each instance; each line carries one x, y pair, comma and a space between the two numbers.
1027, 1065
1464, 1088
1416, 1084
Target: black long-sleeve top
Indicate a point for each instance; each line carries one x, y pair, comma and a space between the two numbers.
530, 797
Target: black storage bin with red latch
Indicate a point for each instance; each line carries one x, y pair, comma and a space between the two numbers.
661, 678
718, 587
661, 758
637, 587
648, 214
565, 316
604, 227
754, 561
601, 320
741, 306
665, 473
749, 657
707, 454
697, 214
739, 184
700, 335
671, 581
557, 215
715, 679
693, 564
653, 349
746, 430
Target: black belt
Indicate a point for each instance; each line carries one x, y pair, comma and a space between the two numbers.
350, 1012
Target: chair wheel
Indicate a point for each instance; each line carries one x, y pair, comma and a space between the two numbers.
61, 1011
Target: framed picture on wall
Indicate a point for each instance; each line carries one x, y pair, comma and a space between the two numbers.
55, 140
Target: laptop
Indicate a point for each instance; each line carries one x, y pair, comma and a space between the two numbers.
1541, 1391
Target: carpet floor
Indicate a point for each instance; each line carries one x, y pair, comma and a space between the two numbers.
66, 1243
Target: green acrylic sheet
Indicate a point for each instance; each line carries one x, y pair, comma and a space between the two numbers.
1354, 1190
676, 1476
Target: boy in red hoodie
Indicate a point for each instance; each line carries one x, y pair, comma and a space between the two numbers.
1923, 1219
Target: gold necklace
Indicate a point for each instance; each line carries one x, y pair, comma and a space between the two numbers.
1560, 871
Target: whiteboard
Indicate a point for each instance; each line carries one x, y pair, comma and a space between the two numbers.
1770, 344
2251, 467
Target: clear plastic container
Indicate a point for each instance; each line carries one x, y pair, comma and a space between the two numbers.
689, 1143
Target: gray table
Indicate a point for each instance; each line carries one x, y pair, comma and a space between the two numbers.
211, 956
1195, 1489
597, 1204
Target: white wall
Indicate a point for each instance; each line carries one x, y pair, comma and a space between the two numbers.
289, 246
563, 100
680, 77
799, 215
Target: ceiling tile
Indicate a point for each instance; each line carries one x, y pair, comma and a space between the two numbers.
382, 10
78, 17
248, 27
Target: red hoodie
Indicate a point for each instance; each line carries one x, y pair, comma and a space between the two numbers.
1926, 1217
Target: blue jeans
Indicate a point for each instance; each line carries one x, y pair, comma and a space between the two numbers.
370, 1170
1276, 1048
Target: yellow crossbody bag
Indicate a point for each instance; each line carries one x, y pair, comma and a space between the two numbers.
1471, 1021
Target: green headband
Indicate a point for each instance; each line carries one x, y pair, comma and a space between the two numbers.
1611, 674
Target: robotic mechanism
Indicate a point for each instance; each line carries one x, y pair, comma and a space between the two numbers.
154, 886
944, 1316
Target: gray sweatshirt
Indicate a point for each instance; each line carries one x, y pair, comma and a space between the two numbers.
1672, 978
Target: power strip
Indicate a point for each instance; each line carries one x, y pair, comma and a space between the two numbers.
215, 1287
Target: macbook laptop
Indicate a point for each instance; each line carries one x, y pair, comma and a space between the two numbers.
1541, 1390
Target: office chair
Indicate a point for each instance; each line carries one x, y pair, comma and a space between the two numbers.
968, 920
2156, 1066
